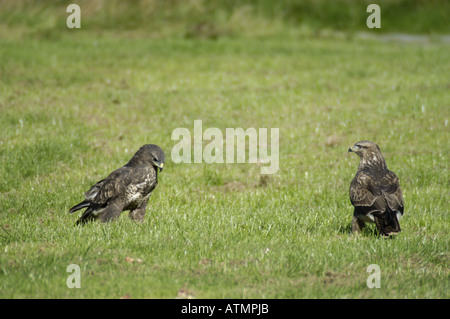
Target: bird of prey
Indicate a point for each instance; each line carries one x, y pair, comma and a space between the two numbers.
127, 188
375, 192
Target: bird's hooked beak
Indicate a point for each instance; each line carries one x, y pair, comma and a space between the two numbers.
355, 149
160, 165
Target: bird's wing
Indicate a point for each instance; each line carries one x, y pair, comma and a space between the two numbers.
391, 191
117, 182
112, 186
365, 193
93, 191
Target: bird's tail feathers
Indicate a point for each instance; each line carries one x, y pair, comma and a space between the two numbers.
87, 216
79, 206
387, 224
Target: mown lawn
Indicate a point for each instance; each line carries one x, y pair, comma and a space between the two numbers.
75, 108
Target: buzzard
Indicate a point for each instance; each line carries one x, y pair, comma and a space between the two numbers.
375, 192
127, 188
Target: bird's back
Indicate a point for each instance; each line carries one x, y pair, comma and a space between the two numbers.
128, 182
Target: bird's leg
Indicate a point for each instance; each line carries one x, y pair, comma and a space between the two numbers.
138, 213
111, 211
357, 225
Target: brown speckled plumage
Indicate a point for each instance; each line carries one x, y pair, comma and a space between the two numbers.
375, 191
127, 188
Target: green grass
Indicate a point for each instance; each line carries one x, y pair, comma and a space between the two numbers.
212, 19
76, 107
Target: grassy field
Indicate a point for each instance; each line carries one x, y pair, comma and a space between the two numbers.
75, 107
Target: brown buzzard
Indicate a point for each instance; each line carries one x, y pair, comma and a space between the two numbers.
127, 188
375, 191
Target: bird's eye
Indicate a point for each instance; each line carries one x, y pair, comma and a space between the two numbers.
357, 147
155, 159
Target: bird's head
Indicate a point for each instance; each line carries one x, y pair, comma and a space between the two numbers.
369, 152
364, 148
149, 153
158, 158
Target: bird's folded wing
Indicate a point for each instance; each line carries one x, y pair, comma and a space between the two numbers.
112, 186
365, 192
391, 191
93, 191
